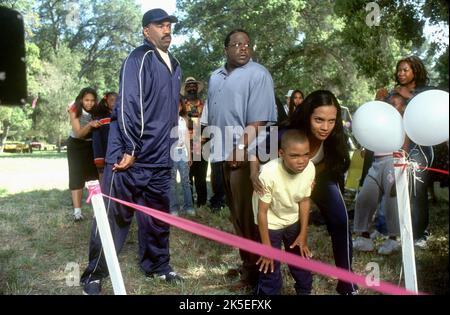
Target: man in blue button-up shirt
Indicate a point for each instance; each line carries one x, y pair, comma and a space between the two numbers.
240, 99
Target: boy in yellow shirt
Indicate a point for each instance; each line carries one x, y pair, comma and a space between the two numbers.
282, 212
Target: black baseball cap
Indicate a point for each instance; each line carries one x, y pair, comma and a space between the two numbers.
157, 15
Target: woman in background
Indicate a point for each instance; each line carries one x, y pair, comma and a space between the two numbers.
79, 147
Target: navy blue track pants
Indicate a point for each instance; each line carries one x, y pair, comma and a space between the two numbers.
149, 187
327, 196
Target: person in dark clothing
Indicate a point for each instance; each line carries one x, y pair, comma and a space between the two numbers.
102, 113
194, 107
138, 162
319, 117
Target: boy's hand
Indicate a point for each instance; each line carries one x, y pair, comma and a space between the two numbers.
301, 243
265, 264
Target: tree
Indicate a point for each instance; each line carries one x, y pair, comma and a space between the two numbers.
59, 87
70, 45
103, 32
14, 122
307, 44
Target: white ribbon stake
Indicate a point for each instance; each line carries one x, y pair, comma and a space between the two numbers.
406, 233
106, 238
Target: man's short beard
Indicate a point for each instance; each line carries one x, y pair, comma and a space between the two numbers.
191, 94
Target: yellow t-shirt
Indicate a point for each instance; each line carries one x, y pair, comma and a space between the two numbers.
283, 191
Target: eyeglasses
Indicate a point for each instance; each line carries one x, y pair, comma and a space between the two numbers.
239, 45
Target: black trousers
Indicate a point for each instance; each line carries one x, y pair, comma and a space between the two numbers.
239, 190
197, 177
217, 200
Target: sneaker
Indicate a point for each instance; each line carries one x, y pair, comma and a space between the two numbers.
421, 243
78, 217
216, 209
388, 247
233, 273
190, 211
363, 244
376, 234
171, 277
92, 288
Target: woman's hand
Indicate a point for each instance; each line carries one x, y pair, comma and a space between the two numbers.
94, 124
381, 94
404, 91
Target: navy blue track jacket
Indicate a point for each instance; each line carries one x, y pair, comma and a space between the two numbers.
146, 109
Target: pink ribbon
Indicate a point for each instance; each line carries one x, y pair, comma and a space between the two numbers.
263, 250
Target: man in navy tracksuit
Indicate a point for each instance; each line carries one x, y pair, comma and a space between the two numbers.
138, 162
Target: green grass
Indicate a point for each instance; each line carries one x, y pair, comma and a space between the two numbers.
39, 239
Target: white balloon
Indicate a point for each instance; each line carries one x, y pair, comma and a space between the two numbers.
378, 127
426, 118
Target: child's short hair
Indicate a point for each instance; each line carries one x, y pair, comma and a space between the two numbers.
292, 135
397, 96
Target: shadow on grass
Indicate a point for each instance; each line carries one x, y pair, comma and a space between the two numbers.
35, 155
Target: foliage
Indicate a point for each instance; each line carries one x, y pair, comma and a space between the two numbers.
305, 44
60, 85
309, 44
103, 32
70, 45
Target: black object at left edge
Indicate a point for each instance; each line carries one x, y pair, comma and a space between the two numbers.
13, 83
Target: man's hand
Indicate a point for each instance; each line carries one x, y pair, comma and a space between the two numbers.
258, 186
301, 243
265, 264
126, 162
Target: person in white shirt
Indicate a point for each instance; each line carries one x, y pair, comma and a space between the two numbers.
181, 163
282, 211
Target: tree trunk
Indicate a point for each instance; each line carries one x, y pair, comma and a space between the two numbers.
59, 143
4, 135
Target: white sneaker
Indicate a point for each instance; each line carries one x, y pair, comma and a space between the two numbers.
421, 243
388, 247
78, 217
190, 211
375, 234
363, 244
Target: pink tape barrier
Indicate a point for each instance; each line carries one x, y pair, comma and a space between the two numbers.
263, 250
